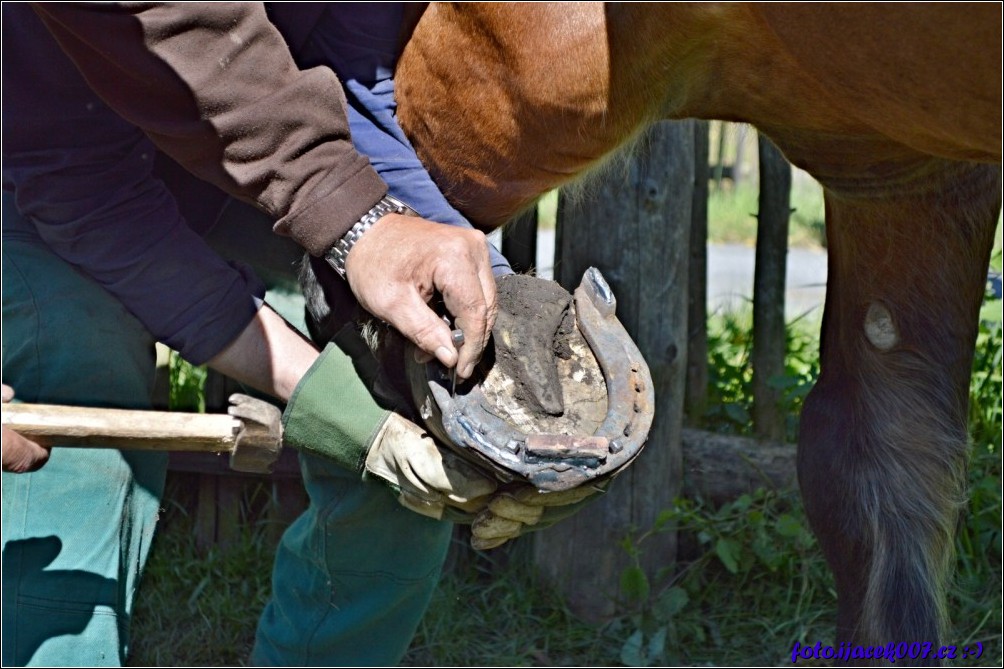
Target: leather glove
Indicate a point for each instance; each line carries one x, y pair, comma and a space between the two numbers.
428, 478
521, 508
332, 413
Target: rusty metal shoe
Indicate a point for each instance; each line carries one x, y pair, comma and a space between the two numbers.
562, 396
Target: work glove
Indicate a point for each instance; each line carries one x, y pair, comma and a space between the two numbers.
428, 478
333, 414
521, 508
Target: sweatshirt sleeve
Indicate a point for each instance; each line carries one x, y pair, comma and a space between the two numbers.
214, 86
83, 177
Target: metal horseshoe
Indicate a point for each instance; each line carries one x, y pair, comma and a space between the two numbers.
553, 462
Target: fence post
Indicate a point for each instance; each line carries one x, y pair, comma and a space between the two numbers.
718, 172
768, 289
519, 242
636, 231
696, 391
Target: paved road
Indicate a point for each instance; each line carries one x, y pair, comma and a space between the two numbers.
730, 278
730, 275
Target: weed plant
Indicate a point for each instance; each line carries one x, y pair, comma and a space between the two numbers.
759, 583
752, 584
730, 372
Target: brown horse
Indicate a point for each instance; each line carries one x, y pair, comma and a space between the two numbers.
895, 109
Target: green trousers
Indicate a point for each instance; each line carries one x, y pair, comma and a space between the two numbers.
352, 577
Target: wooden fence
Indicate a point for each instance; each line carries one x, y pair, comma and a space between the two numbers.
645, 228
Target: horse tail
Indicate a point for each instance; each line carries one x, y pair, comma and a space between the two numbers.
883, 466
911, 497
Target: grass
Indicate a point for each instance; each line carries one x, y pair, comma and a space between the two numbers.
195, 608
753, 582
493, 615
732, 214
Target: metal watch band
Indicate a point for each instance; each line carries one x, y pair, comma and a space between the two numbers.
339, 252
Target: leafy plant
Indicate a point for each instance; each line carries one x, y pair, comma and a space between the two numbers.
975, 601
753, 581
730, 372
756, 585
187, 385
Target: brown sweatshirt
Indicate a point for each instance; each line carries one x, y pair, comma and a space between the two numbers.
214, 86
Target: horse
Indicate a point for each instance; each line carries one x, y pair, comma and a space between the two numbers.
895, 110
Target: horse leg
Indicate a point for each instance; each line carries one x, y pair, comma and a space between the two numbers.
882, 453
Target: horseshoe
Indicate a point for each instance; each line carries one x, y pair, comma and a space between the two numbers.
551, 462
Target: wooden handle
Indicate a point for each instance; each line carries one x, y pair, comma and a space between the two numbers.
127, 429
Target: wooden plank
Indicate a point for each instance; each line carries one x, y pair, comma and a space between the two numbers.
205, 513
768, 290
719, 467
635, 229
130, 429
286, 467
229, 515
696, 387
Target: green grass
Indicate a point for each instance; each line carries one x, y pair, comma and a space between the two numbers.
753, 582
490, 614
732, 214
200, 609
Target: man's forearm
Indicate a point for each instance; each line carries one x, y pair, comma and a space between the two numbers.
269, 355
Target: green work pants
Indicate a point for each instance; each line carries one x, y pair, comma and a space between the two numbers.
75, 533
352, 576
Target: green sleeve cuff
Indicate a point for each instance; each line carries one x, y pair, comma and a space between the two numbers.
332, 413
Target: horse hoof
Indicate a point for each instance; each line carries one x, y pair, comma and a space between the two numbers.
574, 354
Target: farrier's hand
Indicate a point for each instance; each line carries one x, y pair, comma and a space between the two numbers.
332, 414
428, 478
20, 455
396, 267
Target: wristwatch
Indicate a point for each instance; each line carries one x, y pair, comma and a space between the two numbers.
388, 204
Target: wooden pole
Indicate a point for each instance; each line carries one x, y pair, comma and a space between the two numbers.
122, 428
719, 169
636, 230
519, 242
696, 391
768, 290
